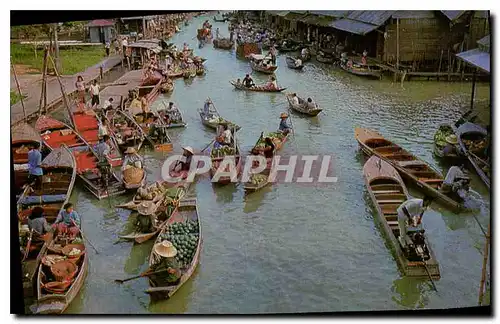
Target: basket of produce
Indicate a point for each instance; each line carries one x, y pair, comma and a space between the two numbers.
55, 248
73, 251
64, 270
23, 150
133, 175
184, 237
57, 287
258, 179
222, 151
51, 259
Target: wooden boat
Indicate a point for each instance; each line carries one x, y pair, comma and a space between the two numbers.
200, 71
368, 70
186, 211
223, 43
126, 132
254, 63
220, 20
302, 106
440, 143
138, 199
409, 166
87, 125
469, 135
54, 296
287, 49
252, 186
215, 120
22, 137
56, 133
326, 59
175, 117
387, 192
218, 158
290, 62
59, 168
167, 87
259, 88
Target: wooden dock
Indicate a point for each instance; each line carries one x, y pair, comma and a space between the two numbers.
130, 80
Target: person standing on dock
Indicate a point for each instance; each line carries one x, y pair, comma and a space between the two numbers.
124, 46
35, 168
410, 215
116, 45
80, 87
107, 46
68, 221
94, 92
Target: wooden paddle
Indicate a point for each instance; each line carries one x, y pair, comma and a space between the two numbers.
28, 245
84, 237
144, 274
208, 145
428, 273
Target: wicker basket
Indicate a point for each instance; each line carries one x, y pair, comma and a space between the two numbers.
64, 270
67, 249
23, 150
133, 175
57, 287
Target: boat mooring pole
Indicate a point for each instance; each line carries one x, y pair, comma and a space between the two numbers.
18, 88
473, 89
485, 263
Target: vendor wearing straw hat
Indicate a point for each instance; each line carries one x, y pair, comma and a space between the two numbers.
284, 127
167, 252
188, 154
132, 159
451, 143
146, 219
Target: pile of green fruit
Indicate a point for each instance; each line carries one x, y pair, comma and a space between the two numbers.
222, 151
257, 179
184, 236
441, 134
275, 136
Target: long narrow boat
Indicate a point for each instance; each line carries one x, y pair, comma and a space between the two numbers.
367, 70
54, 295
215, 120
22, 137
302, 106
126, 132
387, 192
59, 168
444, 130
217, 155
151, 192
290, 62
472, 141
56, 133
175, 117
410, 167
223, 43
186, 212
270, 69
257, 181
87, 125
257, 88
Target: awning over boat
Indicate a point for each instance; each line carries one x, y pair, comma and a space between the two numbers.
477, 58
471, 128
353, 26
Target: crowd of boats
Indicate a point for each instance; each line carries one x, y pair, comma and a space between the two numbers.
55, 266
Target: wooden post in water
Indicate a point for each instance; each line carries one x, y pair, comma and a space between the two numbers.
18, 88
485, 263
43, 94
449, 65
473, 89
440, 60
63, 91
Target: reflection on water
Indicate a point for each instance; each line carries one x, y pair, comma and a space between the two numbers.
225, 193
410, 292
138, 258
253, 200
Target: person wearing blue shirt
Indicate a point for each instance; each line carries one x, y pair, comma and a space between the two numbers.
284, 128
68, 221
35, 168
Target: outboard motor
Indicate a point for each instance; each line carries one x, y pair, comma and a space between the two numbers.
417, 250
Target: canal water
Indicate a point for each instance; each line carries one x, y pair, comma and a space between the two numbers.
293, 248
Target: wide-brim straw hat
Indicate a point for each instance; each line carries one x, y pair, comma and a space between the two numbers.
130, 150
452, 139
189, 149
146, 208
284, 115
165, 249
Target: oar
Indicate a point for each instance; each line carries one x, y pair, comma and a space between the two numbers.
28, 245
208, 145
84, 237
429, 274
144, 274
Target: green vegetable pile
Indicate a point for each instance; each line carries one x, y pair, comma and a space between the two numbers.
257, 179
220, 120
441, 134
222, 151
275, 136
184, 236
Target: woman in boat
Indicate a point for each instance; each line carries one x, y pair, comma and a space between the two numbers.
284, 127
410, 214
38, 224
295, 99
268, 149
172, 273
363, 58
272, 84
227, 135
451, 145
68, 221
145, 218
248, 81
298, 62
132, 159
186, 165
310, 104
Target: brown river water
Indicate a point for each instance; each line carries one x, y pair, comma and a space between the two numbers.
293, 248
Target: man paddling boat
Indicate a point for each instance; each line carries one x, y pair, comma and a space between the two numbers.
167, 251
456, 182
410, 215
284, 127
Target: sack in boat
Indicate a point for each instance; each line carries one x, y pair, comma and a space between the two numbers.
57, 287
133, 174
22, 150
64, 270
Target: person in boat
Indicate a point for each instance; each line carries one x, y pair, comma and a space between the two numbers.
349, 64
94, 92
103, 150
35, 171
68, 221
238, 82
272, 52
451, 145
185, 48
343, 59
267, 150
188, 154
410, 215
38, 224
132, 159
219, 142
284, 127
248, 81
272, 84
103, 128
304, 53
217, 34
108, 105
456, 181
145, 217
298, 62
227, 135
310, 104
171, 271
363, 58
295, 99
206, 109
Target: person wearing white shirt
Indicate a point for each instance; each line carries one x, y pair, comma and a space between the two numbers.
94, 92
410, 214
310, 104
304, 52
108, 104
227, 135
298, 62
124, 45
103, 128
295, 99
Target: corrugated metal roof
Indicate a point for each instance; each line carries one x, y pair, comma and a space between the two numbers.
317, 20
352, 26
476, 58
292, 15
100, 23
453, 14
413, 14
331, 13
485, 41
374, 17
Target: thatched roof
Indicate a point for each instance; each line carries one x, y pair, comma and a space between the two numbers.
24, 133
60, 157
